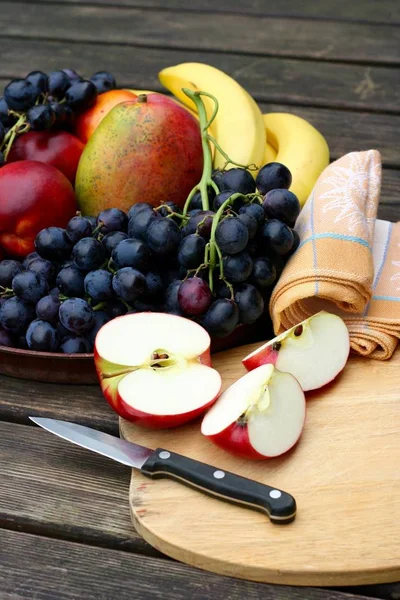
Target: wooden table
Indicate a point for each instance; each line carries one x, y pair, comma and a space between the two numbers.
65, 530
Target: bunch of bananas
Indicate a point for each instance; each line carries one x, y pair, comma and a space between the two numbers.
245, 134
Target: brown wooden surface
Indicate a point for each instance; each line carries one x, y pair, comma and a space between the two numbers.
343, 470
334, 63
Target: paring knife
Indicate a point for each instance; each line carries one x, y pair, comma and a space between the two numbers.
279, 505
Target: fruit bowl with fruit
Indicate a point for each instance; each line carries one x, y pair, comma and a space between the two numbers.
162, 231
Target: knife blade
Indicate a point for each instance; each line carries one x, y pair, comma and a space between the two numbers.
277, 504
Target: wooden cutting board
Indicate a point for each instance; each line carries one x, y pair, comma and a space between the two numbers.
344, 474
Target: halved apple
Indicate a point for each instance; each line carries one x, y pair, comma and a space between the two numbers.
259, 416
314, 351
155, 369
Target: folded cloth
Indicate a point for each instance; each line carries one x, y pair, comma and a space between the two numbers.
346, 260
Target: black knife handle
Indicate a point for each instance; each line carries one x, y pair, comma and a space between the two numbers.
279, 505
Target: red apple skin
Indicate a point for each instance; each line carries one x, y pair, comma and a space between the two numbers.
87, 121
235, 440
33, 195
57, 148
265, 355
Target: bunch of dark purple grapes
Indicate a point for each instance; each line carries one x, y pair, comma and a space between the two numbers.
216, 266
43, 101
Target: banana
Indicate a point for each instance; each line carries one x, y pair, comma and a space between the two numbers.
300, 147
238, 127
269, 154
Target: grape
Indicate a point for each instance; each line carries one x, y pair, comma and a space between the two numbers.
112, 239
194, 296
279, 263
64, 118
53, 243
129, 284
103, 81
217, 177
277, 236
72, 75
223, 197
273, 176
250, 303
201, 223
191, 251
98, 285
254, 210
250, 223
6, 119
146, 306
62, 330
8, 270
169, 275
6, 338
92, 221
231, 235
76, 315
58, 82
55, 292
76, 344
238, 268
20, 95
239, 180
112, 219
163, 236
264, 272
2, 159
70, 282
140, 222
78, 227
283, 205
40, 117
138, 207
81, 95
221, 318
197, 202
29, 286
132, 253
88, 254
42, 267
164, 212
154, 284
39, 80
15, 315
296, 242
115, 308
171, 297
42, 336
21, 342
29, 258
47, 309
2, 133
100, 319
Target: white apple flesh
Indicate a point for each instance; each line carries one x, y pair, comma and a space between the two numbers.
155, 369
259, 416
314, 351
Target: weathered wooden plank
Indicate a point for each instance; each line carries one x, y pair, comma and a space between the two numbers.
32, 566
272, 80
384, 11
321, 40
20, 399
52, 487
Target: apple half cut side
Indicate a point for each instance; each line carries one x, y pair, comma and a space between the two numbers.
259, 416
155, 369
314, 351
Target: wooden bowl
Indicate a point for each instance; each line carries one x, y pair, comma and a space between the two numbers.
56, 367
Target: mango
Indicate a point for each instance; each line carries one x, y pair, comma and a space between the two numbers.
145, 150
